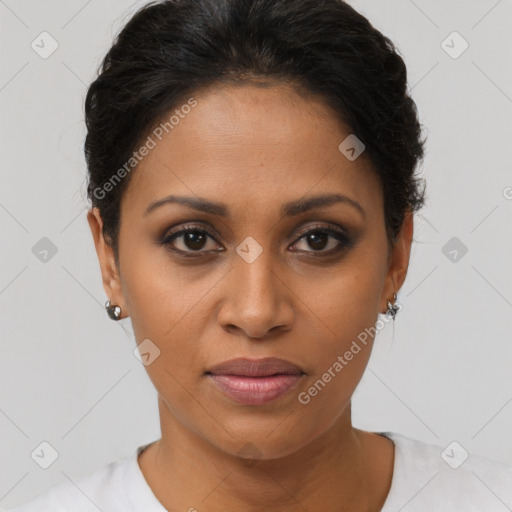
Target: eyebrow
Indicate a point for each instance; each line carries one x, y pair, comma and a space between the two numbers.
289, 209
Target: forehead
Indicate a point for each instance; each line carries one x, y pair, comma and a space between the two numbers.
249, 143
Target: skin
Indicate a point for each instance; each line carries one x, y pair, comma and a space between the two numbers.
254, 149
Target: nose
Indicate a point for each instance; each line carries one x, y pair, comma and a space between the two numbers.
256, 298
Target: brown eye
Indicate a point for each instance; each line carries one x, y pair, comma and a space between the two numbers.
322, 240
194, 240
190, 240
317, 240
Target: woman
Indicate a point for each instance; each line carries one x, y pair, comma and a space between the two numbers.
252, 180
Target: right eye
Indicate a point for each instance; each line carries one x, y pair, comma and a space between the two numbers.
191, 239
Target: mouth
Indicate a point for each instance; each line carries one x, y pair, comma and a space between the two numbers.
255, 381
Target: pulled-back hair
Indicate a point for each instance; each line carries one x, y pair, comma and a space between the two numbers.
169, 49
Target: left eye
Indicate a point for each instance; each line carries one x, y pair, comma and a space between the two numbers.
318, 240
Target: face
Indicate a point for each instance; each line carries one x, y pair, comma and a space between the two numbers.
256, 268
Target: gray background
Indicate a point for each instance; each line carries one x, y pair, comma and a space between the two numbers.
68, 373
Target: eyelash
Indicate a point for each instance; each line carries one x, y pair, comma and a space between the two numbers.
328, 229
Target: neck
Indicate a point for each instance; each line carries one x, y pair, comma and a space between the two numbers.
343, 469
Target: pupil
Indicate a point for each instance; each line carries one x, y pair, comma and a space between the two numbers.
194, 240
315, 243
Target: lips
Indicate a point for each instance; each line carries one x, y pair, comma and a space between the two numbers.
255, 381
256, 367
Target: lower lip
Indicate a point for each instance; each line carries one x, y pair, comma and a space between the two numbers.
255, 390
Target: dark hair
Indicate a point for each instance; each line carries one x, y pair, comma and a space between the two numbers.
169, 49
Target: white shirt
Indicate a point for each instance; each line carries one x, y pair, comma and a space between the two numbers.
422, 482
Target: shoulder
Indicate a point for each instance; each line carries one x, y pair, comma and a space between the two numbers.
431, 477
102, 489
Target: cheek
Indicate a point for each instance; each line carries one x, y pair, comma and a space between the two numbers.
160, 296
167, 306
347, 310
348, 300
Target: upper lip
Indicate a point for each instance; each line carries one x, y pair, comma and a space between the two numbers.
256, 367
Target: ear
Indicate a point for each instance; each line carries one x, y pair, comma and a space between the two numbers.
398, 261
109, 271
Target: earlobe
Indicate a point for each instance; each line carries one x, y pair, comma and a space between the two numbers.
109, 271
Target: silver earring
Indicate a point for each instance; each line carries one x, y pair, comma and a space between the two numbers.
394, 308
114, 312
